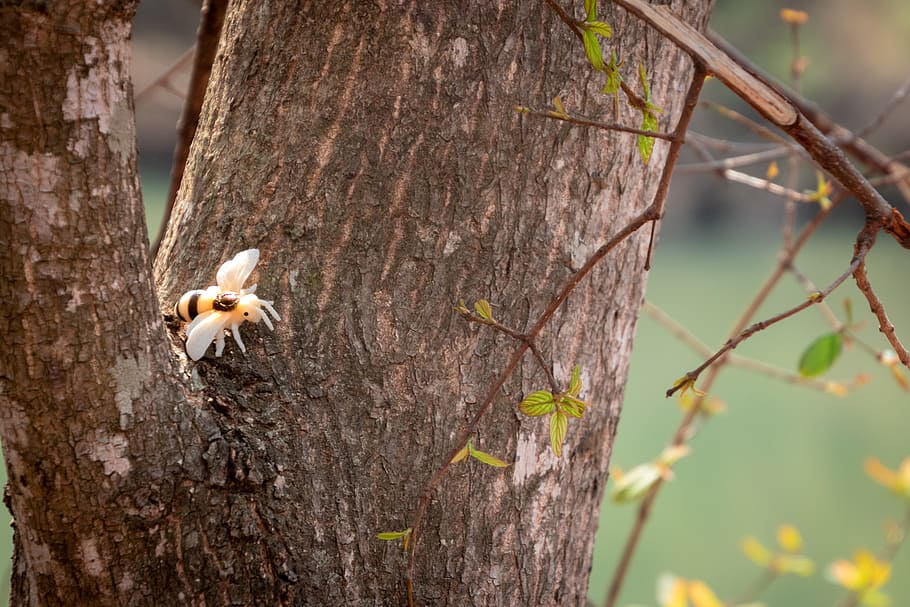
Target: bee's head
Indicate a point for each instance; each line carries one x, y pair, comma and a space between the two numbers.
249, 308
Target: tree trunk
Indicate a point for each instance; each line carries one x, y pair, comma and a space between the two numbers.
372, 154
88, 401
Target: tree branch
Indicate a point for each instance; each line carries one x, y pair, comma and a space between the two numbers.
777, 108
884, 324
207, 37
818, 297
854, 144
582, 121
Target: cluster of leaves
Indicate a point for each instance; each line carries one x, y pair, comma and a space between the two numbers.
591, 32
788, 560
863, 576
560, 407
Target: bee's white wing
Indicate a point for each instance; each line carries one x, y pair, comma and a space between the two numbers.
233, 273
203, 329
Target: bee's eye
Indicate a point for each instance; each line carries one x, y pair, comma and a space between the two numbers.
246, 313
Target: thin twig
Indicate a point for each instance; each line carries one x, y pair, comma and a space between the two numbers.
764, 324
759, 129
735, 161
899, 95
517, 336
686, 337
884, 324
679, 133
582, 121
725, 145
768, 186
164, 78
682, 430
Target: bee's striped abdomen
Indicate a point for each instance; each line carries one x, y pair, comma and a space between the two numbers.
193, 303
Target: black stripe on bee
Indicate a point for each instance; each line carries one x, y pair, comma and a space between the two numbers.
187, 307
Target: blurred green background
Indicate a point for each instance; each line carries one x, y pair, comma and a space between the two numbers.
781, 453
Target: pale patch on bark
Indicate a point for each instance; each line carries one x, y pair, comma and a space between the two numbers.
452, 242
128, 375
100, 93
386, 337
91, 560
525, 459
35, 177
459, 52
38, 555
110, 451
126, 583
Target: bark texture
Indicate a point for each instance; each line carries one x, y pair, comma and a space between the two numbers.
370, 151
88, 403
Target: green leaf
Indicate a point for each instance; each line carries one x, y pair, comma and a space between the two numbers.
560, 111
575, 382
613, 77
559, 425
635, 483
393, 535
646, 144
820, 355
591, 9
484, 309
537, 403
592, 49
488, 459
572, 406
643, 77
598, 27
462, 453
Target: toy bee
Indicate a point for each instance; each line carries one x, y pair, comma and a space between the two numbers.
226, 305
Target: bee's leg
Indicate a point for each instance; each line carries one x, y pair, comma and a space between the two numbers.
219, 343
235, 329
268, 306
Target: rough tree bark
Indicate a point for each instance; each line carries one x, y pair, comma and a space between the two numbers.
370, 151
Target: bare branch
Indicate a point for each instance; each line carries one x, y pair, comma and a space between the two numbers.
207, 37
777, 108
863, 246
855, 145
758, 129
582, 121
884, 324
164, 79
